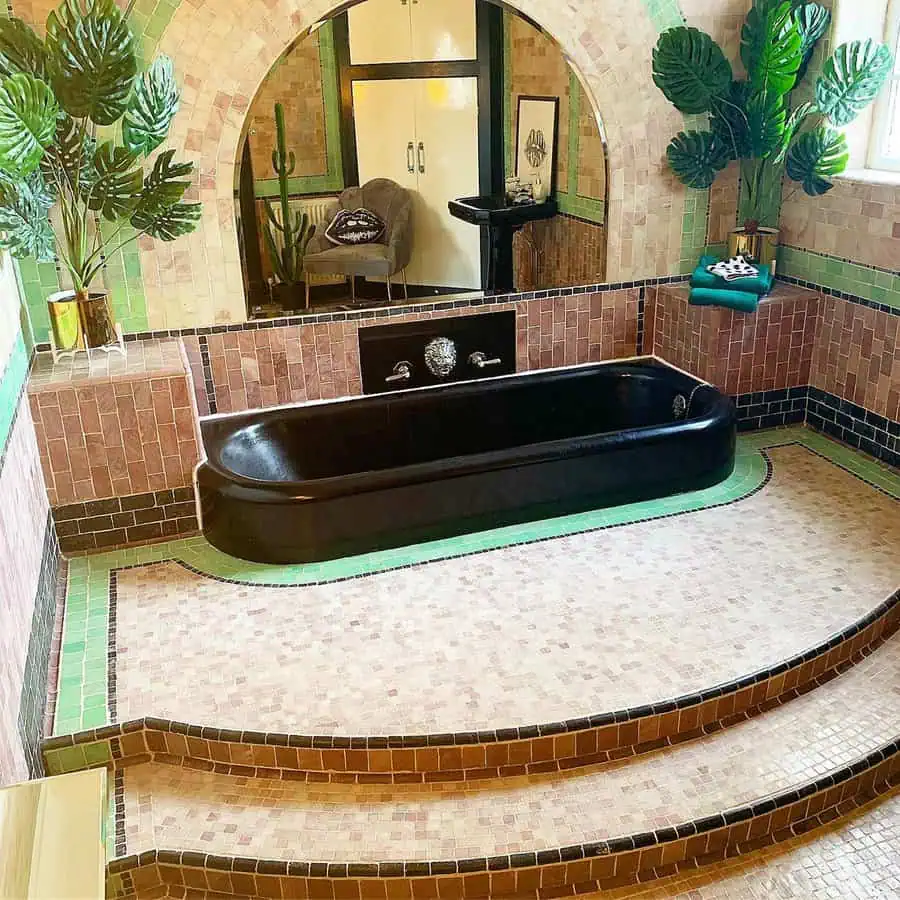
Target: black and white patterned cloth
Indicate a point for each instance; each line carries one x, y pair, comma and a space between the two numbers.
353, 228
733, 269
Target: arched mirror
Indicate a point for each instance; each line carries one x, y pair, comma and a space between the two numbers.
404, 150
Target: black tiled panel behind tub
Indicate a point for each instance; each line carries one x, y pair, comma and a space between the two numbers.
383, 347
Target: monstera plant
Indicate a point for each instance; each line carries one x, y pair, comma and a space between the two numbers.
756, 119
76, 120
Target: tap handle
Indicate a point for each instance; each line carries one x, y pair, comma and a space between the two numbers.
480, 361
402, 372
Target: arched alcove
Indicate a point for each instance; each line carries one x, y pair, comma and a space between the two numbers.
223, 50
516, 60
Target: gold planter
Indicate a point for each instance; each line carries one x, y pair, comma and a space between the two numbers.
761, 245
81, 321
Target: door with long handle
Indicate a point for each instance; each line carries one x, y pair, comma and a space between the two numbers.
447, 168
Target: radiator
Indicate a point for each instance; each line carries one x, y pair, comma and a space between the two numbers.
317, 210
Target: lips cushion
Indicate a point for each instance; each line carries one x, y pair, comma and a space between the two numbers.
353, 228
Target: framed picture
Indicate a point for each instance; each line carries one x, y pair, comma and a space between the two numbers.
536, 139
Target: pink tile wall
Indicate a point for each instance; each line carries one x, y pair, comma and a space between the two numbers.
23, 518
738, 352
857, 356
321, 361
126, 436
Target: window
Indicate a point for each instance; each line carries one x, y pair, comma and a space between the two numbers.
884, 147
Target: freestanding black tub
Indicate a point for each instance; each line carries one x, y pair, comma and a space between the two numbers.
315, 482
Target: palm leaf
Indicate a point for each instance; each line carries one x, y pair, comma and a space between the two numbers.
152, 108
27, 123
170, 223
116, 192
696, 157
771, 48
25, 228
815, 157
92, 59
690, 69
851, 79
21, 50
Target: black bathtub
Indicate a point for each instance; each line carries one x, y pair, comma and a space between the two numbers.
316, 482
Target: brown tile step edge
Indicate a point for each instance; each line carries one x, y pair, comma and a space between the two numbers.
537, 749
577, 869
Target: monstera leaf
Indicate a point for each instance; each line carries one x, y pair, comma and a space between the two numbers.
25, 229
71, 156
851, 79
27, 123
163, 187
117, 189
690, 69
815, 157
812, 20
152, 108
766, 115
696, 157
751, 124
730, 123
93, 62
771, 48
21, 50
169, 223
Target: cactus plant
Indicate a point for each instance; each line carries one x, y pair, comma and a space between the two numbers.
286, 238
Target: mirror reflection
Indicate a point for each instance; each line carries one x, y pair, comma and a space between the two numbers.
402, 151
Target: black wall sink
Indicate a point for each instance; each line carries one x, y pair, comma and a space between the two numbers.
502, 219
498, 212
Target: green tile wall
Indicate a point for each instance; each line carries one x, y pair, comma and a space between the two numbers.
13, 373
333, 180
840, 275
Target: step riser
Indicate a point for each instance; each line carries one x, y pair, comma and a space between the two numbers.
469, 756
590, 867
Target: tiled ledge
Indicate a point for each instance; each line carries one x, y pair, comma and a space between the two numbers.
538, 749
577, 869
113, 426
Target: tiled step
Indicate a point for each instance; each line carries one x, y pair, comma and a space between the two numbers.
722, 794
523, 659
854, 857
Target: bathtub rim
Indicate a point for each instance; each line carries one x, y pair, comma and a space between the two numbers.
313, 490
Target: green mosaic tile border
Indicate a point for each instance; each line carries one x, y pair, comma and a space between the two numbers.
840, 275
82, 699
12, 377
331, 181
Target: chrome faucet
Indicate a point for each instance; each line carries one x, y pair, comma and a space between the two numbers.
402, 372
480, 361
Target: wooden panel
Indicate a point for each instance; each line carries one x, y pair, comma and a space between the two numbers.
51, 838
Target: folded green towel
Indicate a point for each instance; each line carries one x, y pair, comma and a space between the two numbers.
742, 301
761, 284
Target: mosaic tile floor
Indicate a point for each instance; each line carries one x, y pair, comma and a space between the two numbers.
853, 859
179, 809
520, 635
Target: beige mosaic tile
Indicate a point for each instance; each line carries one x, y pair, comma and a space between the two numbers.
174, 808
853, 858
522, 635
